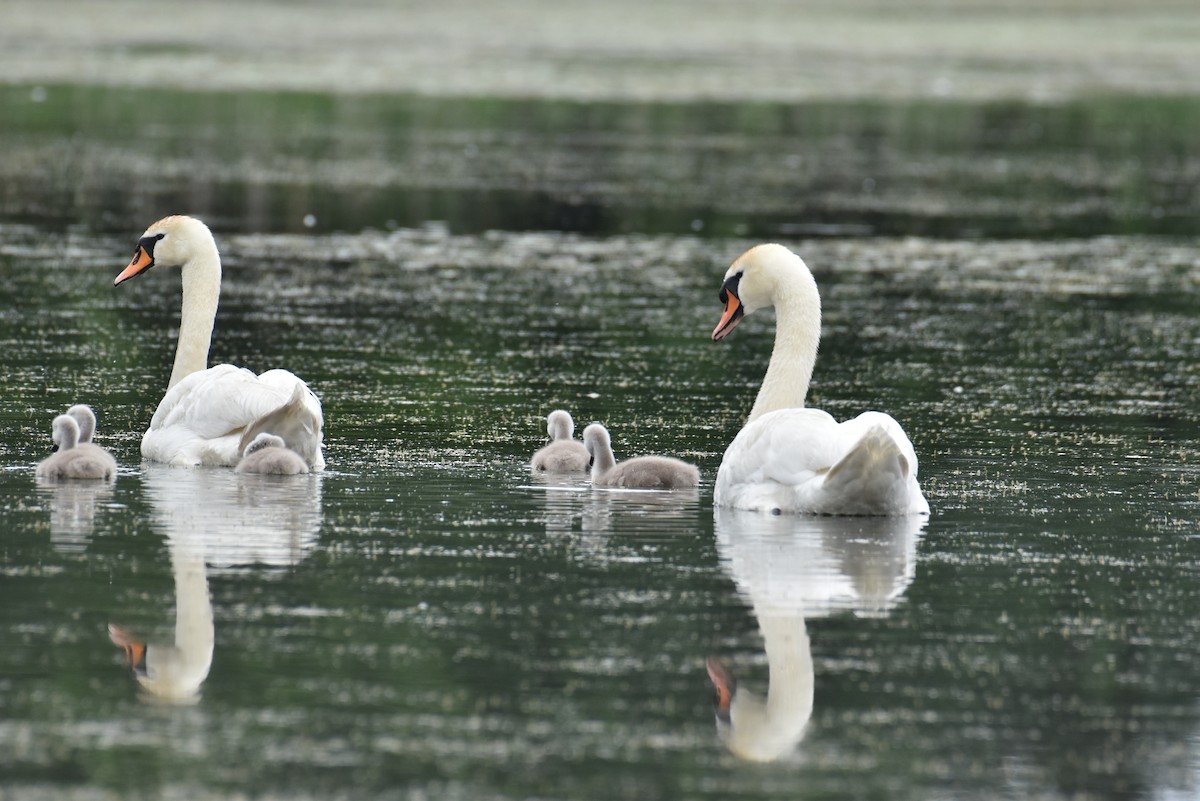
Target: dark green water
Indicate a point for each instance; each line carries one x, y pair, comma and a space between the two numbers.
261, 161
425, 620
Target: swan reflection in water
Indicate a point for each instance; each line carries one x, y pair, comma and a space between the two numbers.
218, 520
789, 569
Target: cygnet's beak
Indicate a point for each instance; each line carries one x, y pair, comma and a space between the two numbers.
723, 683
732, 315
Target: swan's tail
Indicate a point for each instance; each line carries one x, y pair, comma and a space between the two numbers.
872, 478
295, 423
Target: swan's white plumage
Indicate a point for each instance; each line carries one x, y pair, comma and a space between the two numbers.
207, 414
203, 419
791, 459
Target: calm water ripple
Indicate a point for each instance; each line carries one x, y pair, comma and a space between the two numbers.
428, 619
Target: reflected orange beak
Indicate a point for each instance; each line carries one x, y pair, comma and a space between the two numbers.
135, 652
142, 261
723, 683
729, 320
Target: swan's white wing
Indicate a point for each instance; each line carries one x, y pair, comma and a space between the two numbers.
787, 446
802, 460
201, 419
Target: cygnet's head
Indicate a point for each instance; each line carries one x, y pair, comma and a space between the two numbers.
262, 441
760, 277
596, 439
170, 242
559, 425
65, 432
86, 419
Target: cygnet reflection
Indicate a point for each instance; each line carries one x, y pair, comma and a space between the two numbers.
789, 569
73, 508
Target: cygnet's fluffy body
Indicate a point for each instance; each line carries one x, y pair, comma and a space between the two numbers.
74, 459
640, 472
267, 454
564, 454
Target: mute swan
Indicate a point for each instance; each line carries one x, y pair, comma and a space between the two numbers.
641, 472
210, 414
563, 454
267, 454
791, 459
72, 459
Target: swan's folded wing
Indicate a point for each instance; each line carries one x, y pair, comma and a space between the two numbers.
286, 382
851, 431
201, 419
217, 402
788, 446
802, 460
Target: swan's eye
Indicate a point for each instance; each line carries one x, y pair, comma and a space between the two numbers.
730, 287
147, 243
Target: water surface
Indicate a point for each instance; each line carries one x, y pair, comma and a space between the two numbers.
426, 619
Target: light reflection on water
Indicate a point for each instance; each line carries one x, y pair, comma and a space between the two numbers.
428, 617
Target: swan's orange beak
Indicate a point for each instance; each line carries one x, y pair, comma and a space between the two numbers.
723, 683
142, 261
135, 652
732, 316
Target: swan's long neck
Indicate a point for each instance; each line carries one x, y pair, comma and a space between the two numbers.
764, 730
201, 292
194, 635
559, 428
176, 672
789, 659
66, 436
797, 333
602, 459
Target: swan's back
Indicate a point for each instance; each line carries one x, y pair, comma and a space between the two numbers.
562, 456
803, 461
209, 417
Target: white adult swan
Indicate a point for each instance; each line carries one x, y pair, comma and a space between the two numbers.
791, 459
564, 454
210, 414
